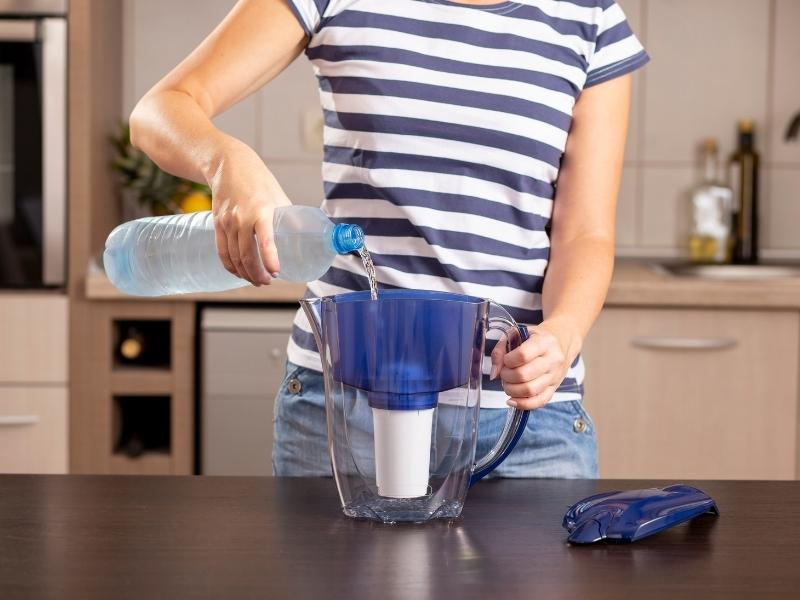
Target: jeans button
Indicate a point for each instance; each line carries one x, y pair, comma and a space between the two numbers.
294, 387
579, 425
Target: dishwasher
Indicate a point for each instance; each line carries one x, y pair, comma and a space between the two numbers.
243, 354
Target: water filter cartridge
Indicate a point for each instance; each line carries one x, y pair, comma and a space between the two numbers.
402, 451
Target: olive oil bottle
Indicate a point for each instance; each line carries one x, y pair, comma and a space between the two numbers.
710, 239
744, 166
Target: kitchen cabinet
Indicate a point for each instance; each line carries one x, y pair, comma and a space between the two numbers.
34, 338
33, 429
111, 395
33, 383
692, 394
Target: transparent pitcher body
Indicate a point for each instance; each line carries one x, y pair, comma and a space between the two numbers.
402, 394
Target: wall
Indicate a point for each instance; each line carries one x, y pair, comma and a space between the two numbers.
714, 61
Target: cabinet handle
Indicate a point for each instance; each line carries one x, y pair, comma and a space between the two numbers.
681, 343
17, 420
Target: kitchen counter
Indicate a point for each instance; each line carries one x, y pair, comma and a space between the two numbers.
212, 537
635, 283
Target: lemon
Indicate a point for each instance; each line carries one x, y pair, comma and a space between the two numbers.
195, 201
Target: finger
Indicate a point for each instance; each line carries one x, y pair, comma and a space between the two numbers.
529, 388
532, 402
266, 246
250, 257
221, 240
233, 251
497, 356
530, 349
529, 371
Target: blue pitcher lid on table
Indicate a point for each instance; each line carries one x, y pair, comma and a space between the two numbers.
628, 516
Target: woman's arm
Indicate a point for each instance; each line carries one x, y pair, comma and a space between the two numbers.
172, 124
582, 245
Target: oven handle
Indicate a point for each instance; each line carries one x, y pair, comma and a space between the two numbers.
18, 30
53, 34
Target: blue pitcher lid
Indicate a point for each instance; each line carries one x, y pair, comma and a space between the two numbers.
631, 515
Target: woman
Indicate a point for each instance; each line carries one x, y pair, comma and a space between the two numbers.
448, 126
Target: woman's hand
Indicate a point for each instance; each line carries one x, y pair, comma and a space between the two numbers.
244, 196
532, 372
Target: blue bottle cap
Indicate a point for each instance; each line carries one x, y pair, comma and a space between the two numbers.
347, 238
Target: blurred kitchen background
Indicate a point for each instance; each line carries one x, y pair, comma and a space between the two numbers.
690, 374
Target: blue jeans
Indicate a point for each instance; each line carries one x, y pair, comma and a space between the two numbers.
559, 440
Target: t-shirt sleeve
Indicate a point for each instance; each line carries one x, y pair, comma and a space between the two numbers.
309, 13
617, 51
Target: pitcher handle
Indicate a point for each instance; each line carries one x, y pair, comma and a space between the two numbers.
516, 418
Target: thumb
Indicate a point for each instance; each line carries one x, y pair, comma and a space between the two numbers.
497, 357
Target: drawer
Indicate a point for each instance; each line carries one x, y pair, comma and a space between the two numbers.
33, 347
33, 429
687, 393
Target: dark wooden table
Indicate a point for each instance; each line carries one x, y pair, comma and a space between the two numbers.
213, 537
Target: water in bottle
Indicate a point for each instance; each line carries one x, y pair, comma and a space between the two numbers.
177, 254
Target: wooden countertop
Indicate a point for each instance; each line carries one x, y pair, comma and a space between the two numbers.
243, 537
635, 283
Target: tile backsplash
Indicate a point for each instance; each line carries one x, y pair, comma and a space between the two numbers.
713, 62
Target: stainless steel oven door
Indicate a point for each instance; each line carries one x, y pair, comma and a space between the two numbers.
33, 174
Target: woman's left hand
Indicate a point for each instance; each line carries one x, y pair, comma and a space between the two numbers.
532, 372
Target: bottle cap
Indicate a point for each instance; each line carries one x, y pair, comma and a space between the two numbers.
745, 125
710, 145
347, 238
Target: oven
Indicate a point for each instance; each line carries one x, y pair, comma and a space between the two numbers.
33, 123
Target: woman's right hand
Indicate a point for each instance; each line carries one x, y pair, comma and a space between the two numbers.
244, 196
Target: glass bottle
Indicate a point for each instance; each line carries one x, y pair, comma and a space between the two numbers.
744, 165
710, 239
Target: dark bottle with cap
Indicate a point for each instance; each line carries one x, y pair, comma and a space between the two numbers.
744, 165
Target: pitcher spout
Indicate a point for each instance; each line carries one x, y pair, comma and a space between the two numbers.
312, 307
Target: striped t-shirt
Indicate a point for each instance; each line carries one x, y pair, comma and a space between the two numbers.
445, 124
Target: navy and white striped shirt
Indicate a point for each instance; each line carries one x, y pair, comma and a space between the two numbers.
445, 124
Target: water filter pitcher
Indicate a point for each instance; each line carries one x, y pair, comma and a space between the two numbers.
402, 394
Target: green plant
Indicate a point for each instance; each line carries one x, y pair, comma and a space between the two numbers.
158, 190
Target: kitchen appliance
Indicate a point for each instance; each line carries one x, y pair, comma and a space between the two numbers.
242, 363
402, 394
33, 105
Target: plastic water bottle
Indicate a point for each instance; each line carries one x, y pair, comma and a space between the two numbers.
176, 254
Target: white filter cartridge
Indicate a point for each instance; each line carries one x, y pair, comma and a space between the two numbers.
402, 451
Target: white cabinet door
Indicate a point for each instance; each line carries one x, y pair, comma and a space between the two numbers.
33, 429
33, 338
703, 394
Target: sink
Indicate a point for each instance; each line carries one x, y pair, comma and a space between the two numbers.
728, 272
